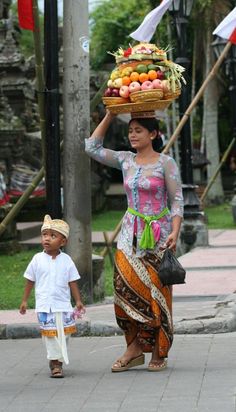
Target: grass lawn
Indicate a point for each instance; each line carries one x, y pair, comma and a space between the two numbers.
13, 267
12, 281
220, 217
106, 221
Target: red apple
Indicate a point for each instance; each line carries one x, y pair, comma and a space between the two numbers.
160, 75
108, 92
124, 91
157, 84
115, 92
134, 87
147, 85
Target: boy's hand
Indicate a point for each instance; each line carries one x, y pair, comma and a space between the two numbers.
79, 310
79, 305
23, 307
28, 287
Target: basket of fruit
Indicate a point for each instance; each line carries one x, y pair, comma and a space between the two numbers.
143, 74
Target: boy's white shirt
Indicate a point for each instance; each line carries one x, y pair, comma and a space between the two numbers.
52, 277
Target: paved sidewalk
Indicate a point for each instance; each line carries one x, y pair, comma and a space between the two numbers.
205, 304
200, 377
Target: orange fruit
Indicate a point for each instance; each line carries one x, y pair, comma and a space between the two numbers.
152, 74
134, 77
143, 77
126, 80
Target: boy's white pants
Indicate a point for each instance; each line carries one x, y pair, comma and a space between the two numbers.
57, 346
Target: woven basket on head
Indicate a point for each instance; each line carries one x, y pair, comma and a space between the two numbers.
140, 107
172, 95
146, 95
109, 101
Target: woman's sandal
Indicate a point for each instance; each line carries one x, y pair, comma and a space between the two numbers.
56, 369
120, 366
157, 366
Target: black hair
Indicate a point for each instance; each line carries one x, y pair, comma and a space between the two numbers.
151, 124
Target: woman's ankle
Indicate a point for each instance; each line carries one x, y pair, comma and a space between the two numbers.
156, 359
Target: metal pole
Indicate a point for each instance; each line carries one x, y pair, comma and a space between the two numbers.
53, 170
184, 100
231, 68
185, 141
77, 179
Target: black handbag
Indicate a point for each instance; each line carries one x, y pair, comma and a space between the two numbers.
171, 272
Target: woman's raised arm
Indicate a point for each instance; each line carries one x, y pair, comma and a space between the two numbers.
102, 127
94, 145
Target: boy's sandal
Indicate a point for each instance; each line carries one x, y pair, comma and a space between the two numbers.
157, 366
56, 369
120, 366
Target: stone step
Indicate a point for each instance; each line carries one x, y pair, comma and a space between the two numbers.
116, 197
115, 189
28, 230
97, 240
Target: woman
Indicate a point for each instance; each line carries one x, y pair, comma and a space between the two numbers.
143, 307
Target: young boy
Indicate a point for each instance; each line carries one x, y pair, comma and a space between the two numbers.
55, 278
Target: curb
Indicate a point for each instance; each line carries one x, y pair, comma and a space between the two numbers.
84, 328
220, 324
223, 321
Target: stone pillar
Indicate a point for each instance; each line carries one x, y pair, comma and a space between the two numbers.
76, 176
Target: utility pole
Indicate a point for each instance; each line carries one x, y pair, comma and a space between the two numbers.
76, 102
52, 143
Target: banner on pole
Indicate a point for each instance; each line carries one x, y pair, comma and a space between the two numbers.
25, 14
227, 28
147, 28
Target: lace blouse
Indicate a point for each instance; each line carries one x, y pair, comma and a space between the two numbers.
149, 189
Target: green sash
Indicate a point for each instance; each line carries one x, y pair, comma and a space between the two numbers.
147, 240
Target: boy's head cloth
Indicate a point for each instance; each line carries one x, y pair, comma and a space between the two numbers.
56, 224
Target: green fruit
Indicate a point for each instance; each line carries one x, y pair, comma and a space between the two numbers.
141, 68
152, 67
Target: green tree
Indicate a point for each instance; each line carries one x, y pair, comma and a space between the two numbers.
111, 24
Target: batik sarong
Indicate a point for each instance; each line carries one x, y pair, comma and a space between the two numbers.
143, 307
48, 324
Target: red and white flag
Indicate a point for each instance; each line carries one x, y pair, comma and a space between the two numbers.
25, 14
227, 28
147, 28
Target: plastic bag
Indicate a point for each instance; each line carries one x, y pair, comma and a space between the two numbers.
171, 272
